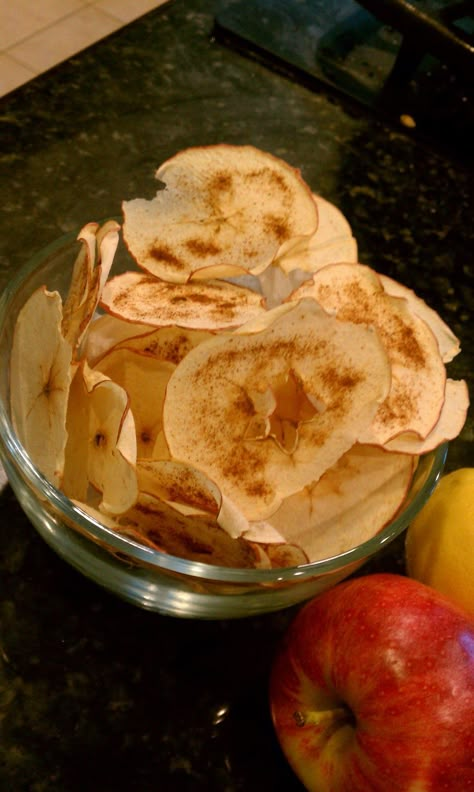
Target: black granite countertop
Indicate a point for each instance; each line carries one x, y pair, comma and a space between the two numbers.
94, 693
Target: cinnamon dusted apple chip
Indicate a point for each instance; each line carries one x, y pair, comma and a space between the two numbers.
209, 305
325, 380
349, 504
355, 293
171, 344
144, 379
101, 448
332, 242
189, 491
449, 424
40, 377
225, 210
449, 345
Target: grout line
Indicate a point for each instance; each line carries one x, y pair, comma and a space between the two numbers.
7, 50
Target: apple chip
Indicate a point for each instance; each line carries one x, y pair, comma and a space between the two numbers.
101, 448
190, 491
40, 377
225, 210
449, 345
332, 242
144, 379
209, 305
355, 293
90, 272
264, 414
349, 504
106, 332
171, 344
197, 537
449, 424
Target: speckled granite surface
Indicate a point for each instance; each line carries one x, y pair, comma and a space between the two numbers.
95, 694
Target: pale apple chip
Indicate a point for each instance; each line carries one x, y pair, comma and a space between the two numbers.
144, 379
449, 345
197, 537
225, 210
332, 242
190, 491
40, 377
327, 379
89, 277
210, 305
449, 424
170, 344
102, 447
106, 332
349, 504
355, 294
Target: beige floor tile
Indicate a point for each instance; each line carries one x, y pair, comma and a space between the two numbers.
12, 74
20, 19
128, 10
65, 38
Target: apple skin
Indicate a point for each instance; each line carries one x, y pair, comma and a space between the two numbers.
372, 690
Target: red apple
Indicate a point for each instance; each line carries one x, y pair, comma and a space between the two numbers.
372, 690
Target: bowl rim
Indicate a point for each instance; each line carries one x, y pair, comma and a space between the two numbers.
11, 448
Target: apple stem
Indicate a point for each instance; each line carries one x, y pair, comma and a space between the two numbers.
321, 717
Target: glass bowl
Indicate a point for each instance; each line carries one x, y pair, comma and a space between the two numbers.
146, 577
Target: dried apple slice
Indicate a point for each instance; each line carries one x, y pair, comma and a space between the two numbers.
195, 537
102, 445
336, 374
40, 377
108, 331
225, 210
449, 345
332, 242
355, 293
349, 504
144, 379
449, 424
78, 313
190, 491
171, 344
210, 305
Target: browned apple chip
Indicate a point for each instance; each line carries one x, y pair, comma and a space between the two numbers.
349, 504
190, 491
144, 379
102, 448
209, 305
224, 210
40, 377
327, 378
354, 292
197, 537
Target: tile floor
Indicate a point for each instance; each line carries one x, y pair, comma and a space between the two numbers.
38, 34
